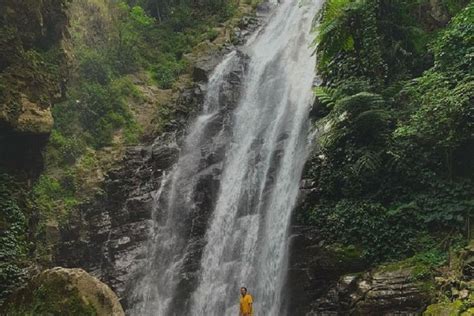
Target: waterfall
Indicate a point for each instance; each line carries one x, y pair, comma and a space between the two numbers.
250, 187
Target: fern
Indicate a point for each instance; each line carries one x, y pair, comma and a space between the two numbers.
334, 33
333, 9
369, 162
360, 102
326, 96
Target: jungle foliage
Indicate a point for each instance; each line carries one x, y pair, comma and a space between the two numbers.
394, 173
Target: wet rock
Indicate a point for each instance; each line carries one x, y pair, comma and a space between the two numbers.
139, 207
107, 237
164, 156
329, 279
314, 270
264, 7
374, 293
390, 293
203, 67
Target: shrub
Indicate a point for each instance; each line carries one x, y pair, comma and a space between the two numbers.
94, 67
53, 197
369, 225
63, 150
454, 49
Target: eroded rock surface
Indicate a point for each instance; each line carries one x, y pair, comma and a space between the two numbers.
330, 280
374, 293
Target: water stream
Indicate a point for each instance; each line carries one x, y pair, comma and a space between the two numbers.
263, 149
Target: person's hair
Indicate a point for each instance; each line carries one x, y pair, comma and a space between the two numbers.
243, 287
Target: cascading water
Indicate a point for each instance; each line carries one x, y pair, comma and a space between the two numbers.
155, 290
264, 144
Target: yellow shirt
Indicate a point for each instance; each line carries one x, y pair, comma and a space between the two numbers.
246, 304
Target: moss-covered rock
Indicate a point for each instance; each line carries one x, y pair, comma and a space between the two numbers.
394, 289
61, 291
32, 54
456, 286
448, 309
33, 68
33, 119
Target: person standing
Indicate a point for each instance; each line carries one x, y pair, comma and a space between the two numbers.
246, 301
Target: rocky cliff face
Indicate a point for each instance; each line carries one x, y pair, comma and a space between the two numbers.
109, 236
32, 72
328, 280
374, 293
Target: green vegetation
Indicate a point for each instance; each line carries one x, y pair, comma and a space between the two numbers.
13, 236
118, 45
394, 173
53, 197
449, 308
422, 264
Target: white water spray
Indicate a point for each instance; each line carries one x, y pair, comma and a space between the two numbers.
247, 235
